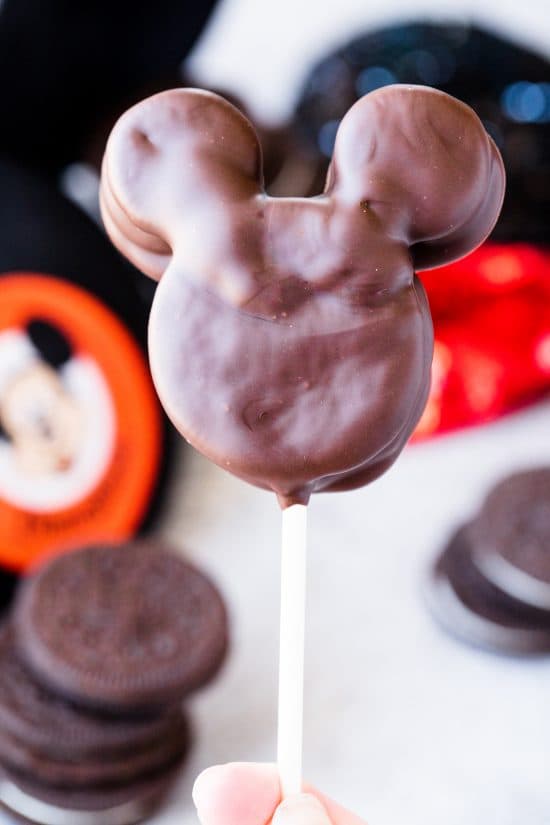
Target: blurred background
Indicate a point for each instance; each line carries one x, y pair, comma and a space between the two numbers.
405, 721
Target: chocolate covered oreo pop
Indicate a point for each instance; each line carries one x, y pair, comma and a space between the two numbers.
290, 340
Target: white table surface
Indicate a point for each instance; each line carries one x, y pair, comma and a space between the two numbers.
403, 724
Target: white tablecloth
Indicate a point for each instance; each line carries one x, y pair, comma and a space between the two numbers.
403, 724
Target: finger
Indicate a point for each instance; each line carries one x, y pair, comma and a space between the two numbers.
337, 814
237, 794
303, 809
249, 793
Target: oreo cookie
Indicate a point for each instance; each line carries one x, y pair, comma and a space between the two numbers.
44, 722
511, 537
99, 772
40, 804
93, 732
86, 752
472, 609
127, 628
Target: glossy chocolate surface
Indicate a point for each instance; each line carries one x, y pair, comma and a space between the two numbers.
290, 341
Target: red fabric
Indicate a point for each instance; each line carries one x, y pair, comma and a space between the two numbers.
491, 315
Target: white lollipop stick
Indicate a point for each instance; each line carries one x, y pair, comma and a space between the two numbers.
291, 657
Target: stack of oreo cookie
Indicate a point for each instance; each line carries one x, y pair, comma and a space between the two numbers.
100, 649
491, 585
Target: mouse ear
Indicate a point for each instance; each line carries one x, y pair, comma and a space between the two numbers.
175, 158
422, 161
50, 342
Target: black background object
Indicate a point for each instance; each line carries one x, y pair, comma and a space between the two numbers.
42, 232
67, 65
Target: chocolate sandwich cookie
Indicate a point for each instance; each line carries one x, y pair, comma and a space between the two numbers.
120, 805
471, 608
42, 721
126, 627
98, 771
511, 537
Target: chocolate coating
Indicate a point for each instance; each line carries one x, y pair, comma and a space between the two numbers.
167, 627
289, 339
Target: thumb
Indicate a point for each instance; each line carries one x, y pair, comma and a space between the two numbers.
250, 794
303, 809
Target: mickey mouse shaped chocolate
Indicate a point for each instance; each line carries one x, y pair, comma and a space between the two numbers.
290, 339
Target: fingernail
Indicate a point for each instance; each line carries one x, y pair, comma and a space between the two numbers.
303, 809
